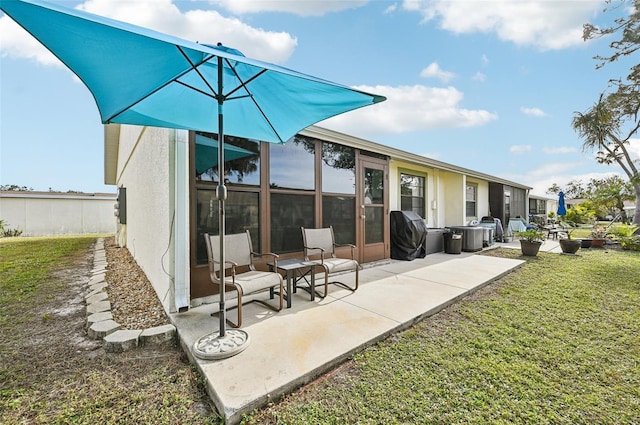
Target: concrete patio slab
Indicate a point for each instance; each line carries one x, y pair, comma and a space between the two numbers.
466, 272
402, 298
292, 347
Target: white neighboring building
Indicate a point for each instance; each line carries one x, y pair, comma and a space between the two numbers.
53, 213
542, 205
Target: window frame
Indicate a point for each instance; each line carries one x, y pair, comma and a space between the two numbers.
540, 206
474, 202
413, 173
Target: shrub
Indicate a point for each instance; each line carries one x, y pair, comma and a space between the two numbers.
630, 243
4, 232
625, 230
531, 235
579, 214
11, 232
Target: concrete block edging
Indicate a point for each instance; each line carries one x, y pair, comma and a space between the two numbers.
100, 323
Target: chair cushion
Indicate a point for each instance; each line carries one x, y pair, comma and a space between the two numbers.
255, 281
335, 265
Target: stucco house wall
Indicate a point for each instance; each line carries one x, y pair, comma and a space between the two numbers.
153, 165
483, 198
145, 167
398, 167
51, 213
453, 186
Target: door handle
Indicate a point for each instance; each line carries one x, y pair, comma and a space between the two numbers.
363, 216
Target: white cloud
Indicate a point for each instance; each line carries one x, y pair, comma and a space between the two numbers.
541, 184
300, 8
559, 150
17, 43
409, 108
542, 177
485, 60
543, 24
392, 8
634, 149
480, 77
534, 112
520, 149
434, 71
205, 26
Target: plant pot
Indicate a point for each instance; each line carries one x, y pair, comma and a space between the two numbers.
529, 249
570, 246
585, 243
597, 243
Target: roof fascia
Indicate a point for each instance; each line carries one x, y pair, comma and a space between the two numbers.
111, 147
400, 155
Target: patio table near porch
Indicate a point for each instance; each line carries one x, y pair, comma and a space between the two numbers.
295, 272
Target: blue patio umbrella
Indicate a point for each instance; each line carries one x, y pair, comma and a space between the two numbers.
143, 77
562, 209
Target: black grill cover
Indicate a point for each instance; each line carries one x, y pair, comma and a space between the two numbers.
408, 236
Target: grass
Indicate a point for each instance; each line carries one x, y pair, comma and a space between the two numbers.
26, 263
584, 231
50, 373
556, 342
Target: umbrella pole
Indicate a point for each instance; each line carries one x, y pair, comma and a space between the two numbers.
221, 194
231, 342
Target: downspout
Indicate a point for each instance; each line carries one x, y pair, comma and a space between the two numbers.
436, 198
180, 266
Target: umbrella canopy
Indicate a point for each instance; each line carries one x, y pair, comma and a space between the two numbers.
207, 153
562, 209
143, 77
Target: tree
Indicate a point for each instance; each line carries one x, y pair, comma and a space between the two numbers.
15, 188
554, 189
573, 190
608, 195
610, 124
601, 196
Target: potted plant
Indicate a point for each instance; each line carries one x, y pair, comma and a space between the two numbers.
585, 242
530, 241
598, 234
568, 244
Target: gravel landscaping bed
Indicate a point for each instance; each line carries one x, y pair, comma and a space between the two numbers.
134, 303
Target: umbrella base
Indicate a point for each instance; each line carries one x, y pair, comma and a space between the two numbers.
213, 346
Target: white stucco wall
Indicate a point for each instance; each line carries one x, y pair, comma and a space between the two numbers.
145, 170
444, 194
453, 188
49, 213
431, 189
482, 198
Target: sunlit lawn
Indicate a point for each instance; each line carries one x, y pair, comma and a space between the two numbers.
555, 342
558, 342
50, 374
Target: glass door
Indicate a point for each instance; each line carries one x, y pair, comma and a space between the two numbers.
374, 221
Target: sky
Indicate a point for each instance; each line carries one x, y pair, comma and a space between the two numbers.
487, 85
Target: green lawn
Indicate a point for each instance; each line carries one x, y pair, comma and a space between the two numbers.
51, 373
26, 263
557, 342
